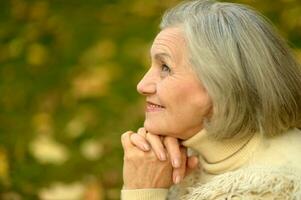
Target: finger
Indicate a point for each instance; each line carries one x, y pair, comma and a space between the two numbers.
142, 132
173, 148
157, 146
192, 164
125, 140
140, 142
179, 173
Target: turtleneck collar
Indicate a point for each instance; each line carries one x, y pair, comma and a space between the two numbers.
220, 156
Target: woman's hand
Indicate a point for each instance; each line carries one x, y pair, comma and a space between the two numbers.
166, 147
142, 169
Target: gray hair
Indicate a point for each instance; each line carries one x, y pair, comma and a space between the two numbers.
250, 73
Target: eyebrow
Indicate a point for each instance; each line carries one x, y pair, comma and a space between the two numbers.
162, 55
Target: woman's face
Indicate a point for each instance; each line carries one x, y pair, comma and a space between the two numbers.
176, 101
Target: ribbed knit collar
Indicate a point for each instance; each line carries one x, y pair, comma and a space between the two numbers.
220, 156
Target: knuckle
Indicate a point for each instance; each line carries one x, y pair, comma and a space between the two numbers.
134, 155
148, 136
125, 135
141, 129
169, 141
167, 138
151, 157
152, 138
142, 132
165, 141
132, 137
136, 138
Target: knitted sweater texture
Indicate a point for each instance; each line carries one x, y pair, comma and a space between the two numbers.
250, 168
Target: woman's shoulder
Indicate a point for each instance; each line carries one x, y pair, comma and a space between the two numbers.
255, 181
273, 172
283, 150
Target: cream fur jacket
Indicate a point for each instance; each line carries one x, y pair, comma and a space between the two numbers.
251, 168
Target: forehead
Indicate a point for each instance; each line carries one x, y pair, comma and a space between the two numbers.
168, 41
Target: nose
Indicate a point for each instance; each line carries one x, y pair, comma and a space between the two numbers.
147, 84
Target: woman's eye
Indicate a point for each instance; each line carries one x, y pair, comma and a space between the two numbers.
165, 68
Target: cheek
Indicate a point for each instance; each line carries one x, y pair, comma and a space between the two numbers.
203, 103
188, 103
194, 104
173, 93
186, 106
190, 96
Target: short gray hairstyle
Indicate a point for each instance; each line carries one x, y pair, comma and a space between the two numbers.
249, 71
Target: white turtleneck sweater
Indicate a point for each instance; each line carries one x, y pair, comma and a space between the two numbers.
250, 168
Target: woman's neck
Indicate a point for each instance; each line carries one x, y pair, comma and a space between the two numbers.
220, 156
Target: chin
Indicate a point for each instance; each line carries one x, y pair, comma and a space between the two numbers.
154, 129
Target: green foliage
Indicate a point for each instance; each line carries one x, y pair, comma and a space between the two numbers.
68, 75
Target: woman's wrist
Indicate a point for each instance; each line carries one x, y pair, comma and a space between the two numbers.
144, 194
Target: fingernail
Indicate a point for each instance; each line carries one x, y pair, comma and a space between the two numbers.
176, 163
162, 156
177, 179
146, 147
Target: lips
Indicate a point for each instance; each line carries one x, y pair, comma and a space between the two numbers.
154, 104
151, 107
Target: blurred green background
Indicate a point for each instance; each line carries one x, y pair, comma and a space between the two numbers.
68, 75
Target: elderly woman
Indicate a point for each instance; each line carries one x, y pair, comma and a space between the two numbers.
224, 86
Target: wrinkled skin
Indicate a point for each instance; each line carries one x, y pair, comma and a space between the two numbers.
153, 156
